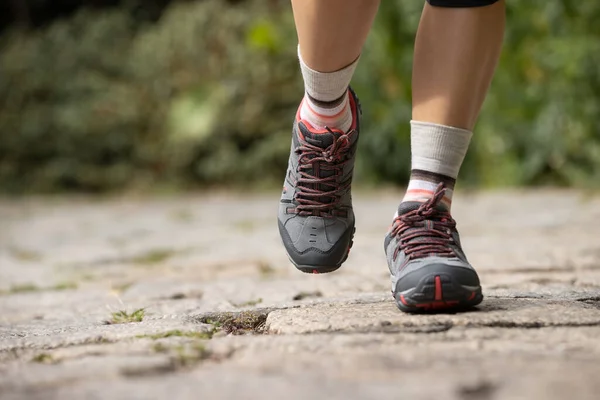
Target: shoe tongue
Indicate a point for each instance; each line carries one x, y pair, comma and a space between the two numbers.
408, 206
323, 140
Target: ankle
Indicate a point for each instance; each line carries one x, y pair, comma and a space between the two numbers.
336, 114
326, 86
437, 155
326, 102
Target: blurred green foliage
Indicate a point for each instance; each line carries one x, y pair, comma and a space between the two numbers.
206, 95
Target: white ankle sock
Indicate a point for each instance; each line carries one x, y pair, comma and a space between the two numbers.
437, 154
326, 102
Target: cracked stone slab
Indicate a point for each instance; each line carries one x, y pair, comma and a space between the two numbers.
580, 342
495, 312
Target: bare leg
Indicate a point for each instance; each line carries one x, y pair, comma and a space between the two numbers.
456, 53
331, 33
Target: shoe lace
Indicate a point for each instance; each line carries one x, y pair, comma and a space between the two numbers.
426, 230
318, 195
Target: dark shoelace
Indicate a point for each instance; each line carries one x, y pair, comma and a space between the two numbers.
317, 195
426, 230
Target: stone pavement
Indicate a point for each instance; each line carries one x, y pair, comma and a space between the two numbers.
211, 308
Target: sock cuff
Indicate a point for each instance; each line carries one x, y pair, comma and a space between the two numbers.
326, 86
438, 148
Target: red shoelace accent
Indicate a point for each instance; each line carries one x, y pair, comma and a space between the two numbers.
317, 195
425, 231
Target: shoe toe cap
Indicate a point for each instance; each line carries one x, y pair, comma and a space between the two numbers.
459, 275
316, 244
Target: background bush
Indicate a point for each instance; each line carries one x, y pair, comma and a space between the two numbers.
203, 93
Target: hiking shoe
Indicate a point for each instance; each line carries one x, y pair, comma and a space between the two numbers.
316, 221
429, 269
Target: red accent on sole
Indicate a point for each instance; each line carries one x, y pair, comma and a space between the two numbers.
403, 300
472, 296
315, 272
438, 288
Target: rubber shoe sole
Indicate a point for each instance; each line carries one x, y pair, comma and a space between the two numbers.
311, 269
438, 292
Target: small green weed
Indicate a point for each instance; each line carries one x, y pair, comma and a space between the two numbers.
44, 358
265, 269
123, 317
26, 288
152, 257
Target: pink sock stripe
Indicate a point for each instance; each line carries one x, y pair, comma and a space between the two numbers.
419, 192
424, 194
328, 117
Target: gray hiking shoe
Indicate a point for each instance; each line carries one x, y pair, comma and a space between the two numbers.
316, 221
429, 268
